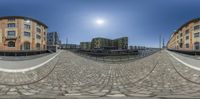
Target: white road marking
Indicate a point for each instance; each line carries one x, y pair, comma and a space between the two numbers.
73, 94
189, 65
117, 95
31, 68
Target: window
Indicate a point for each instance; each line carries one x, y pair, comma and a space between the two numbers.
187, 45
38, 30
11, 25
187, 31
38, 36
28, 34
181, 40
11, 19
11, 44
38, 46
181, 34
38, 25
27, 27
196, 27
196, 35
26, 46
11, 34
180, 45
196, 45
187, 37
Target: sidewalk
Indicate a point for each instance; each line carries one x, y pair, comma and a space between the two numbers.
26, 64
188, 61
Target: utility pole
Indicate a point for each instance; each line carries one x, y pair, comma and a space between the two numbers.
160, 42
66, 42
163, 42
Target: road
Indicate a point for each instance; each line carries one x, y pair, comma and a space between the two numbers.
25, 64
155, 76
187, 61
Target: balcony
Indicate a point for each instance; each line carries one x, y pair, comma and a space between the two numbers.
11, 38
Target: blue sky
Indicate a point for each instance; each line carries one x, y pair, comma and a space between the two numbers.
141, 20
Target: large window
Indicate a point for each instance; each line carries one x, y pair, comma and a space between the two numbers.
187, 32
11, 34
181, 34
38, 36
38, 30
187, 37
11, 44
196, 45
27, 34
26, 46
27, 27
38, 46
187, 45
196, 35
197, 27
11, 25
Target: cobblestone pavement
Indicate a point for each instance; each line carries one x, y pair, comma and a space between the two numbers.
157, 75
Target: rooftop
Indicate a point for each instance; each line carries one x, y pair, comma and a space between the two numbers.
23, 17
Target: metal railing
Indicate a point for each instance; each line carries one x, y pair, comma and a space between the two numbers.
115, 58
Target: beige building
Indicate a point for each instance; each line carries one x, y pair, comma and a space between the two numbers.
187, 37
18, 33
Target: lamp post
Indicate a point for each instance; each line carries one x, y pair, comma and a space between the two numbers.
66, 42
160, 42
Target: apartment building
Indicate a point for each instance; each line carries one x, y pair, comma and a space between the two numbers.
187, 37
18, 33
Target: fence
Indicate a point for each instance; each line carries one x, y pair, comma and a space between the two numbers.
115, 58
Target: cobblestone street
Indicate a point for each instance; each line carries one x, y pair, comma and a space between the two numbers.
157, 75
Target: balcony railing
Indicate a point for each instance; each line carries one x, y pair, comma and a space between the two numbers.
11, 38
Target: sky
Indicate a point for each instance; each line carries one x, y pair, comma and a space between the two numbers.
142, 21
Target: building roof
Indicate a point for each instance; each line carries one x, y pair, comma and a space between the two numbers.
120, 38
109, 39
22, 17
193, 20
101, 38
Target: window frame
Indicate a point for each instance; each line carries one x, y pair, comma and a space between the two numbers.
195, 35
27, 35
11, 25
10, 36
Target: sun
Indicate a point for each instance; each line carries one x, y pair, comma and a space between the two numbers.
100, 21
